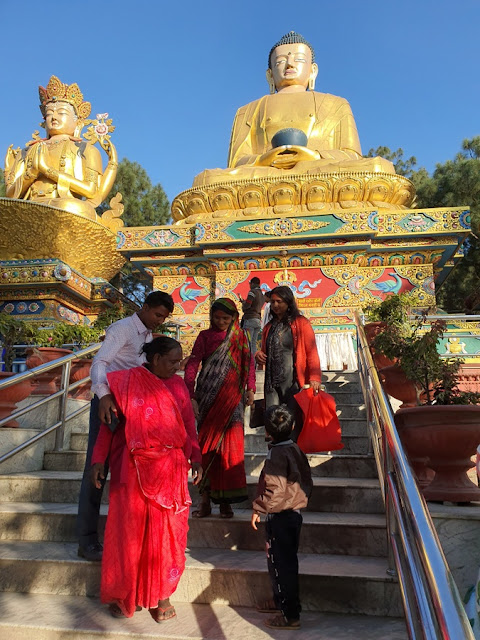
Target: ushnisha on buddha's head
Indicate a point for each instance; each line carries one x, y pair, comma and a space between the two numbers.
291, 65
63, 108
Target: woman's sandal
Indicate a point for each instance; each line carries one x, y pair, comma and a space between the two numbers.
268, 606
203, 512
226, 510
280, 622
116, 612
160, 614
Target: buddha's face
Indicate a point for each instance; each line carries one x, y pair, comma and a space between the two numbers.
60, 118
291, 65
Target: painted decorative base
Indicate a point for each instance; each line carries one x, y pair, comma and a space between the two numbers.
448, 436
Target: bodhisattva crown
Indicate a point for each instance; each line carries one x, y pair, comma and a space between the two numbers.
56, 91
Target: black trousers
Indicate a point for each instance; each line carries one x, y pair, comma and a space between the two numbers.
283, 534
90, 496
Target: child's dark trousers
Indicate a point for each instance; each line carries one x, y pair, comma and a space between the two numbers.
283, 533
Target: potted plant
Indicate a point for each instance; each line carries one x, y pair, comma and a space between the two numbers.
47, 345
444, 426
80, 336
12, 332
393, 311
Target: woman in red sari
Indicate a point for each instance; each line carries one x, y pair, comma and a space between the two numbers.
149, 453
225, 383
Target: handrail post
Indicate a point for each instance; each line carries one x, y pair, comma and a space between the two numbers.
62, 410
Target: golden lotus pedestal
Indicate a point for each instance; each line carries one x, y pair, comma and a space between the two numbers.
293, 193
55, 265
335, 259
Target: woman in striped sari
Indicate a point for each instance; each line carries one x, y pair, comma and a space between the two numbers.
225, 384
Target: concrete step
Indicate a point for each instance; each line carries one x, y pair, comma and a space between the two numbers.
324, 465
321, 464
332, 533
338, 584
48, 617
338, 463
342, 495
354, 434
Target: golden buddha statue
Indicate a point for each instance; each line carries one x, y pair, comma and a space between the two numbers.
63, 170
293, 136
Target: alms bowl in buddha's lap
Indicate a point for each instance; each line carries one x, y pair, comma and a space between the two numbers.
289, 136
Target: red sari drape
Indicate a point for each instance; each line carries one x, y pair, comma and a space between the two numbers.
219, 391
147, 524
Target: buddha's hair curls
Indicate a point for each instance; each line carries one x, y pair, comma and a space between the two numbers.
292, 37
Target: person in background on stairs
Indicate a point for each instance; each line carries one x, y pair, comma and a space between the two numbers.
149, 451
226, 382
284, 488
252, 312
289, 353
121, 349
267, 314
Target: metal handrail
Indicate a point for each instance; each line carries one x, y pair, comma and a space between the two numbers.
59, 426
432, 604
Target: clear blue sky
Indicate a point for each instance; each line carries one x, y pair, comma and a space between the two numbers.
172, 74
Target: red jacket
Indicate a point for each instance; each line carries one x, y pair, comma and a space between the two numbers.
305, 354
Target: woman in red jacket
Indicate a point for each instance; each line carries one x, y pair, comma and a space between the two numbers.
289, 353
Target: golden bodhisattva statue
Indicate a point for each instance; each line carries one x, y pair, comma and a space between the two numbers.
294, 135
63, 170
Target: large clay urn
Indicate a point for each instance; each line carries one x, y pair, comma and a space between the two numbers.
48, 382
372, 329
397, 385
448, 436
81, 369
11, 395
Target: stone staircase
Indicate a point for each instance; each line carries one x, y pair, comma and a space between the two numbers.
48, 593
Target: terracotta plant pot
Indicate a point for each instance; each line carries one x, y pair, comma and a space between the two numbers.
11, 395
372, 329
448, 436
396, 384
81, 369
48, 382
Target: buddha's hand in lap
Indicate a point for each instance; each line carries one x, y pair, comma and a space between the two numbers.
286, 156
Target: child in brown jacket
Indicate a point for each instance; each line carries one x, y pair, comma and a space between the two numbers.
284, 488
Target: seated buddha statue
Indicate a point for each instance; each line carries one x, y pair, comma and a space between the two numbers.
331, 141
62, 170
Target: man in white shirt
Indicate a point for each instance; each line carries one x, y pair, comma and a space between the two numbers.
121, 349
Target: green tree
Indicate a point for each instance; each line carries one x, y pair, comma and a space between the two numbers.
403, 166
2, 183
454, 183
145, 205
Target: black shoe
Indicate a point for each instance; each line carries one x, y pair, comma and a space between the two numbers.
92, 552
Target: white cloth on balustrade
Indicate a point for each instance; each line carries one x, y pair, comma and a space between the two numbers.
336, 351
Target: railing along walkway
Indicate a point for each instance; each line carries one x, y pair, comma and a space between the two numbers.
432, 604
65, 388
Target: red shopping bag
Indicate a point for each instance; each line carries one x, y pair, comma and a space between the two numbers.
321, 428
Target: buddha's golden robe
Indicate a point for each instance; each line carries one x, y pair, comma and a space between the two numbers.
327, 121
71, 156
